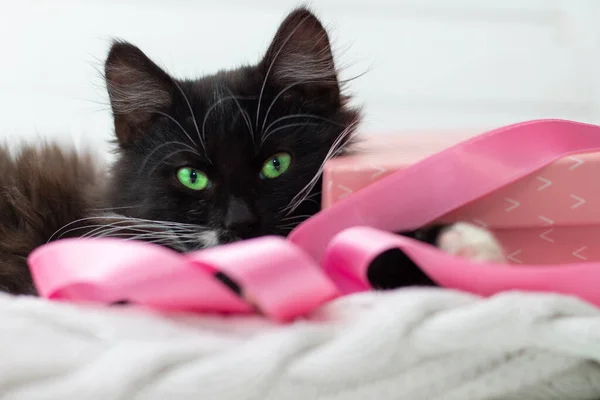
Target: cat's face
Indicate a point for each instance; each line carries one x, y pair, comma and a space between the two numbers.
238, 153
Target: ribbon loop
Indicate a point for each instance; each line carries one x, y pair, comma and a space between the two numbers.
274, 275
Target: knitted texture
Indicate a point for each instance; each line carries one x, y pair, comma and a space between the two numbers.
429, 344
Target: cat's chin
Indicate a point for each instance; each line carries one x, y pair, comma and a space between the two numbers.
213, 238
205, 240
209, 239
225, 237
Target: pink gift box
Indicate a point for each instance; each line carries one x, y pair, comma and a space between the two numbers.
550, 217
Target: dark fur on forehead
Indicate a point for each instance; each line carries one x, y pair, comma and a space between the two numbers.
227, 125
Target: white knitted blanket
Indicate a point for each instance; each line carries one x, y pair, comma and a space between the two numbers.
409, 344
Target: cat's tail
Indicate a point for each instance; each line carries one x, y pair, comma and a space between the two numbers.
42, 190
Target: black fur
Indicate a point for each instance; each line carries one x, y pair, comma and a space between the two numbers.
393, 269
225, 125
240, 204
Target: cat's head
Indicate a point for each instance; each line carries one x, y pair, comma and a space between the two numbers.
238, 153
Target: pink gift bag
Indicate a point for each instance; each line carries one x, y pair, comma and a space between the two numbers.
547, 217
329, 254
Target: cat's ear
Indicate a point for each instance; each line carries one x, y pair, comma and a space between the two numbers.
300, 56
137, 88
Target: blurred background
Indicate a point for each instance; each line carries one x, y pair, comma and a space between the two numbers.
432, 64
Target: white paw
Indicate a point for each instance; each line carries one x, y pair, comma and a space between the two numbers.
472, 242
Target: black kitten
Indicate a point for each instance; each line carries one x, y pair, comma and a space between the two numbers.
230, 156
238, 153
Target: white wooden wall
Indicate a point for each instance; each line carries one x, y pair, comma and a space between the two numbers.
433, 64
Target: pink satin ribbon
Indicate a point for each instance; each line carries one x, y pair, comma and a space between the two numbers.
329, 254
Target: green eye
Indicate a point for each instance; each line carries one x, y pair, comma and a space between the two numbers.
275, 166
193, 179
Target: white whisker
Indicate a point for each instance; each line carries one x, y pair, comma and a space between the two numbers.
303, 82
283, 127
215, 105
190, 148
121, 218
104, 230
113, 208
162, 160
333, 151
178, 124
293, 217
244, 114
308, 116
288, 226
189, 105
